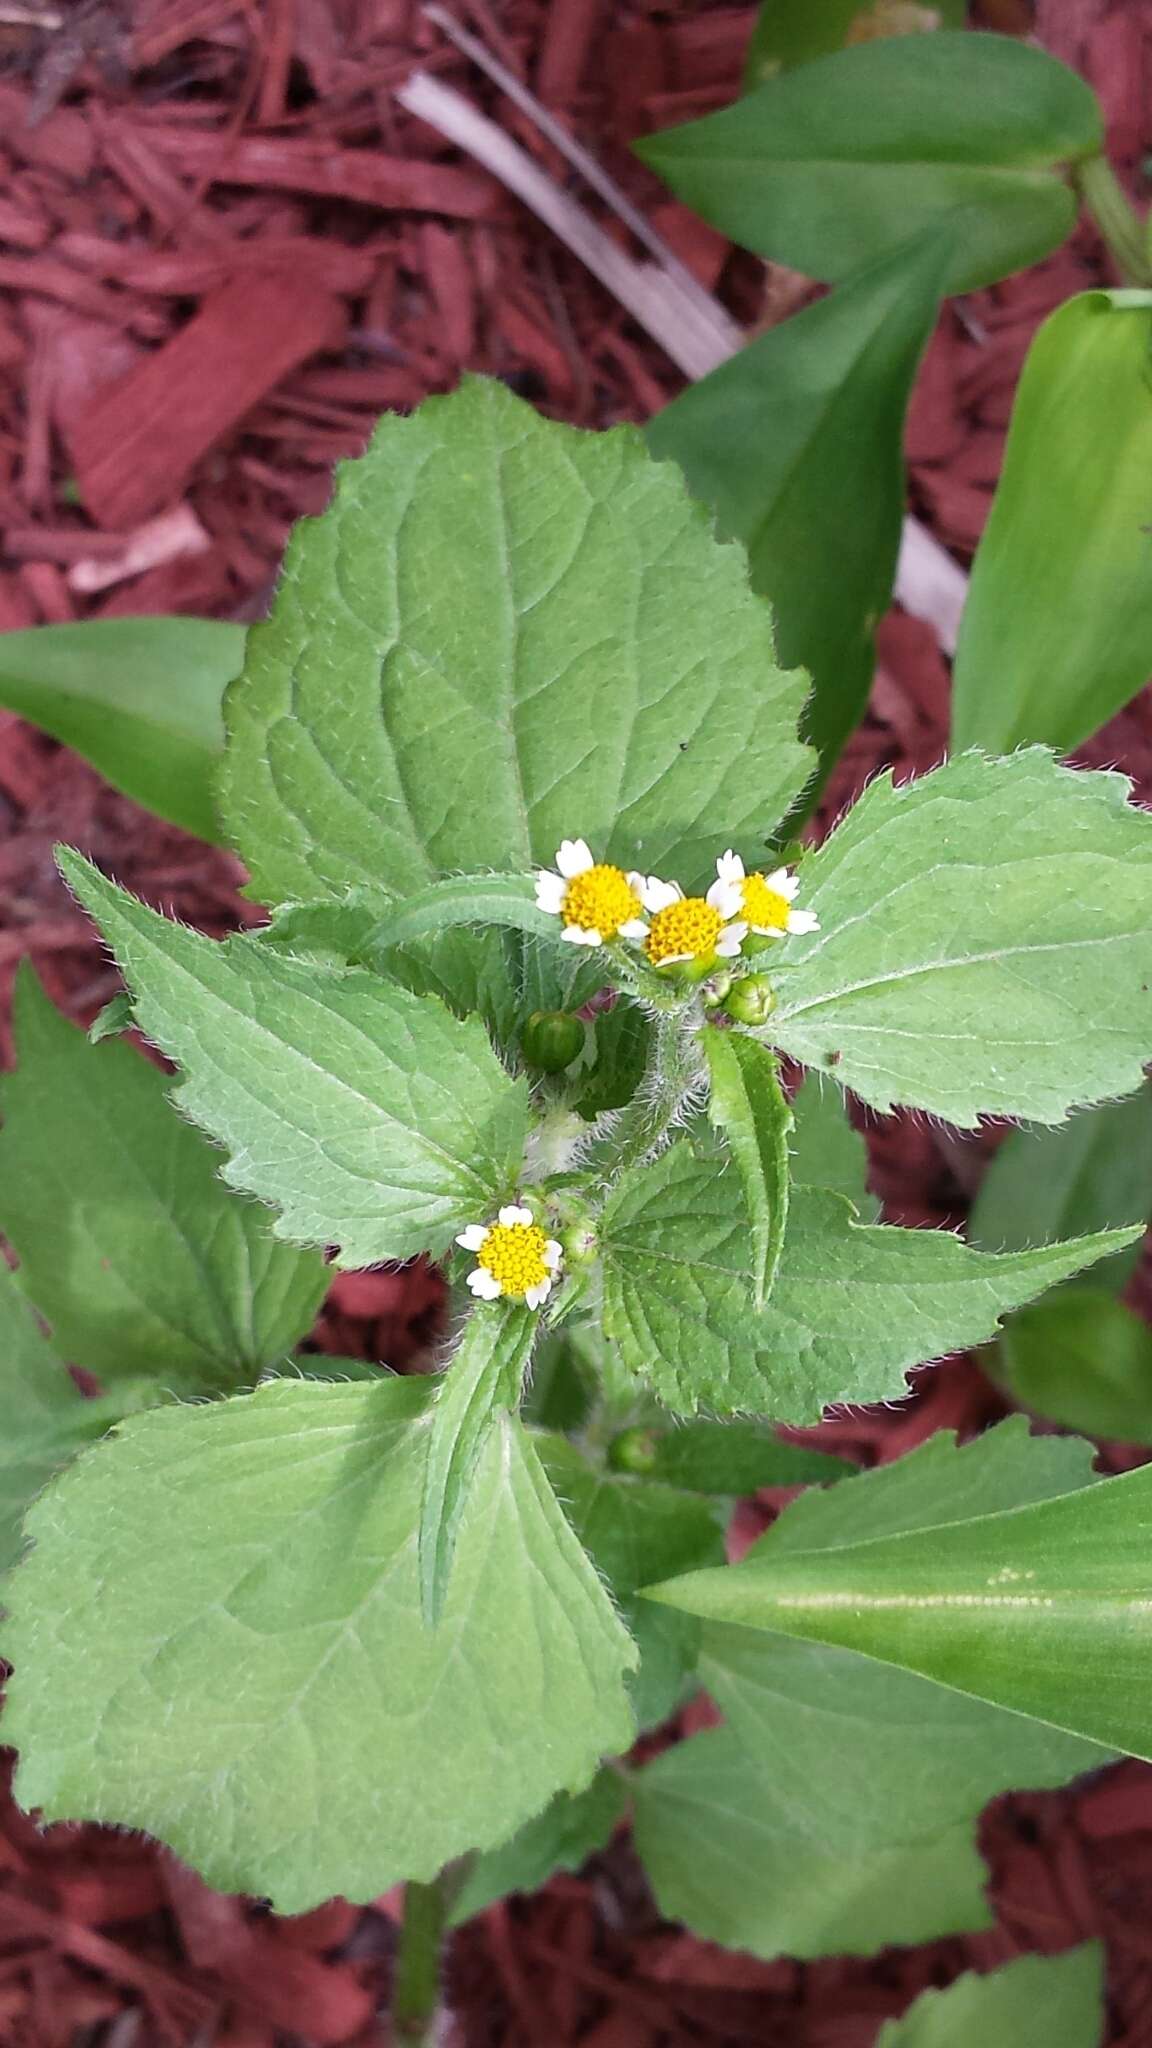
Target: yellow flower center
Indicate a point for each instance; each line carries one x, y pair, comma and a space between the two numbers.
764, 907
601, 900
689, 927
514, 1254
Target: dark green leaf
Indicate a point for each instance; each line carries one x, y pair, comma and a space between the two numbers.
563, 1837
721, 1457
747, 1103
827, 1152
1088, 1174
789, 32
1082, 1359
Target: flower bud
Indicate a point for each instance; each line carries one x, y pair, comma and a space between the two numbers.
634, 1450
752, 1000
551, 1040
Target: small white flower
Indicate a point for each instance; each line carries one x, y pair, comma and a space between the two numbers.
514, 1256
596, 901
764, 901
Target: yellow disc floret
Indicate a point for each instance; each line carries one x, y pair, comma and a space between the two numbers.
514, 1255
764, 908
686, 930
601, 900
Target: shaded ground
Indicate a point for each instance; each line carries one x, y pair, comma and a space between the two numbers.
224, 248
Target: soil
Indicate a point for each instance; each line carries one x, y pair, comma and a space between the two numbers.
224, 248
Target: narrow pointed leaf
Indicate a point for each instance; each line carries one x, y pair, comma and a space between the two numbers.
507, 900
371, 1118
1057, 627
238, 1664
494, 601
1037, 2002
985, 944
1041, 1608
482, 1382
853, 1308
722, 1457
747, 1103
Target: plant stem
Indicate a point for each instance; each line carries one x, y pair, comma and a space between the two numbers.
416, 1985
1107, 202
643, 1125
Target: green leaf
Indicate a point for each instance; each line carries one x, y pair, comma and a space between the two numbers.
1089, 1174
627, 1526
1058, 622
237, 1662
45, 1415
1037, 2002
564, 1380
829, 166
828, 1153
563, 1837
507, 900
1081, 1359
139, 698
370, 1117
747, 1104
482, 1382
496, 602
789, 32
727, 1857
130, 1245
854, 1306
789, 438
623, 1044
721, 1457
984, 946
1039, 1607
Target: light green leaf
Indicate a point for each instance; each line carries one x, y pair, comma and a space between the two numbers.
1037, 2002
1056, 631
371, 1118
1041, 1608
1089, 1174
563, 1837
789, 32
494, 601
727, 1857
854, 1306
482, 1382
507, 900
747, 1104
139, 698
828, 1153
1082, 1359
130, 1245
985, 944
626, 1526
788, 438
237, 1662
721, 1457
829, 166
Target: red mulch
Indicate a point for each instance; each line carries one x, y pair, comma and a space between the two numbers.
224, 249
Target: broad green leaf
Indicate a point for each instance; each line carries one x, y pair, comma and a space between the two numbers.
747, 1103
1041, 1608
1057, 628
1037, 2002
496, 603
507, 900
789, 32
854, 1305
563, 1837
44, 1416
827, 1152
563, 1382
482, 1382
1082, 1359
371, 1118
789, 438
142, 1261
237, 1661
829, 166
1089, 1174
626, 1526
727, 1857
139, 698
985, 943
721, 1457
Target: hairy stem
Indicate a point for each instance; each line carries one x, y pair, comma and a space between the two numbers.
1107, 202
416, 1986
672, 1074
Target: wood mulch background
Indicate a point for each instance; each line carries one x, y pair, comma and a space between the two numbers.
224, 248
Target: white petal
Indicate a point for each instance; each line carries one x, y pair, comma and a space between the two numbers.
726, 897
550, 892
514, 1214
674, 959
580, 937
729, 868
635, 882
803, 921
473, 1237
782, 883
553, 1255
657, 895
536, 1296
634, 929
574, 858
572, 935
731, 939
769, 931
484, 1284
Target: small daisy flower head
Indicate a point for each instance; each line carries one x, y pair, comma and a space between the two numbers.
687, 928
763, 901
595, 902
513, 1258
